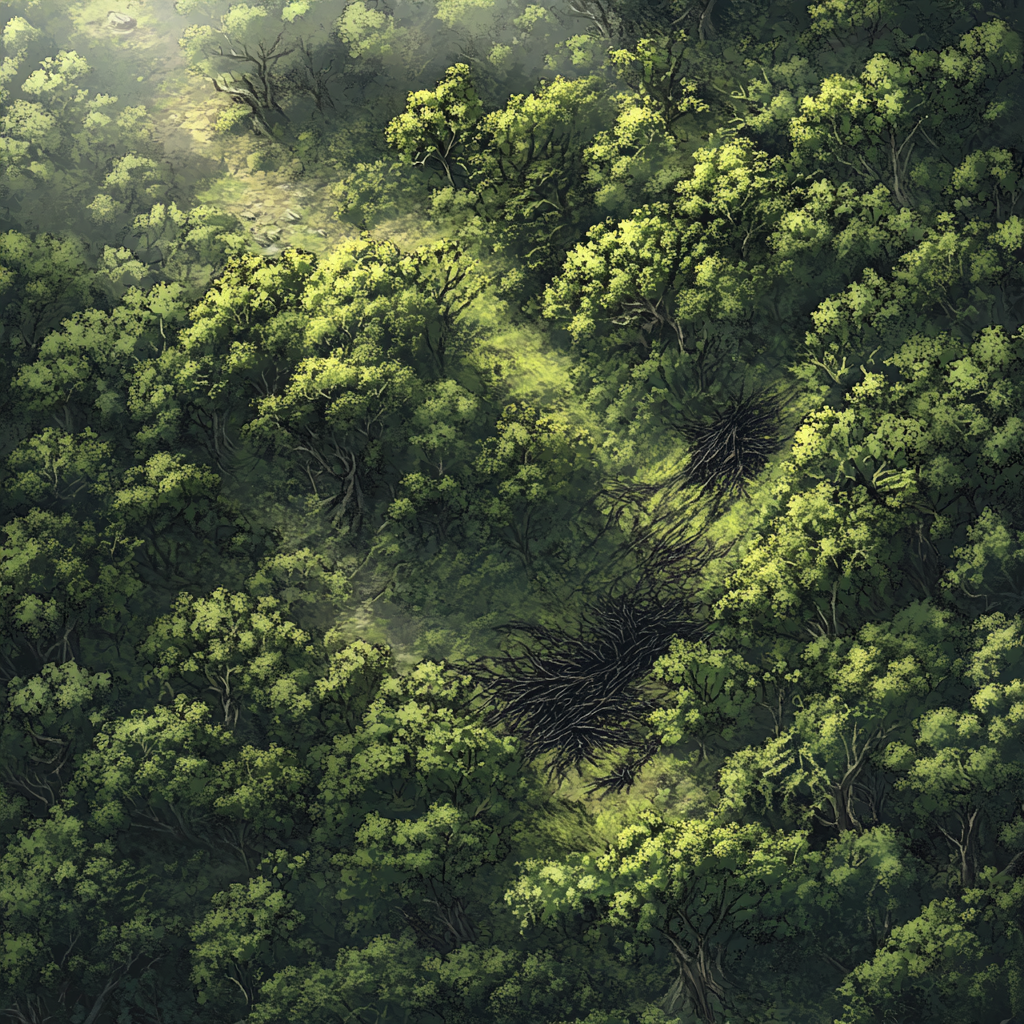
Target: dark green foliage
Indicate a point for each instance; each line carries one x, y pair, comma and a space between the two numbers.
258, 521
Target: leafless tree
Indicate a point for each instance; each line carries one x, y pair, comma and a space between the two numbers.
259, 94
314, 81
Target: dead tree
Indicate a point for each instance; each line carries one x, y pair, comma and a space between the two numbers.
259, 96
607, 21
248, 97
314, 81
665, 542
733, 445
572, 693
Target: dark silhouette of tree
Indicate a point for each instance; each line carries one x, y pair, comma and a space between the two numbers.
734, 443
573, 692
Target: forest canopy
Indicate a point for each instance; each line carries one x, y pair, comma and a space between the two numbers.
511, 513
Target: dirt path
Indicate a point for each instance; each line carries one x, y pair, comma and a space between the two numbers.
281, 207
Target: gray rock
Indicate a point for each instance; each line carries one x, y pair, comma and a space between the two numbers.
120, 22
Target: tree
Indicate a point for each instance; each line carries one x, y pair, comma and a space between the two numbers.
436, 124
434, 502
693, 890
60, 142
53, 590
956, 951
709, 706
673, 272
869, 127
315, 81
535, 468
854, 704
522, 164
529, 162
192, 246
936, 468
609, 19
235, 646
87, 368
569, 693
259, 96
45, 728
635, 162
652, 69
78, 920
253, 80
45, 277
160, 503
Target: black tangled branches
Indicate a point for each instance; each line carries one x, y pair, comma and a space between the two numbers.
573, 693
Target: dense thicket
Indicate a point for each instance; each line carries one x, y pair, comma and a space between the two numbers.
590, 592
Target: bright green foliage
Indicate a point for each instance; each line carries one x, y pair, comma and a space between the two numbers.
869, 881
936, 445
967, 764
661, 88
710, 703
161, 502
411, 803
656, 301
256, 920
42, 280
77, 916
957, 951
518, 169
436, 124
44, 729
852, 700
132, 183
663, 266
469, 984
433, 502
928, 279
421, 807
237, 647
59, 140
831, 561
194, 244
988, 567
450, 798
635, 162
539, 466
868, 762
698, 892
335, 415
300, 577
239, 25
372, 192
934, 98
84, 369
117, 270
322, 361
366, 32
220, 797
489, 502
58, 466
530, 156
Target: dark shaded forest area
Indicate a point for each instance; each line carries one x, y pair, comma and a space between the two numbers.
511, 513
